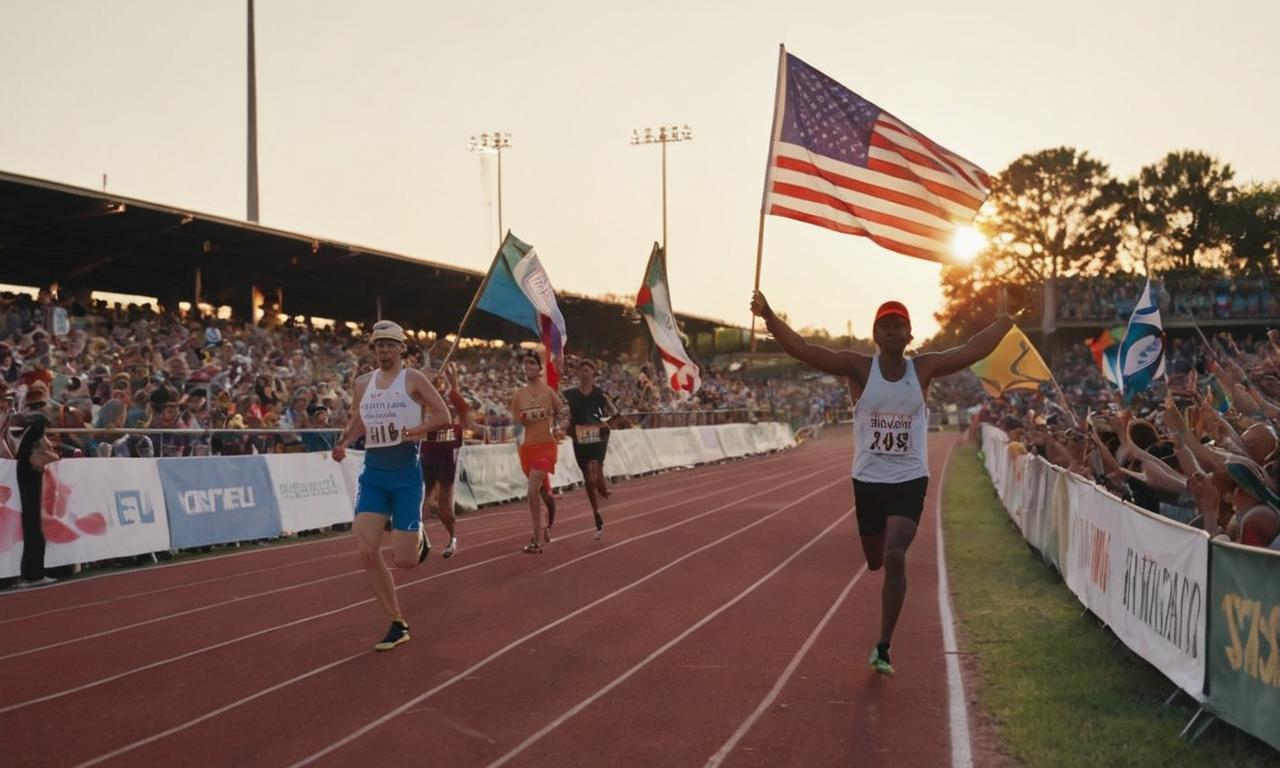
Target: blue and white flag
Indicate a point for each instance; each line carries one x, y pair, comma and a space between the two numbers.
1142, 351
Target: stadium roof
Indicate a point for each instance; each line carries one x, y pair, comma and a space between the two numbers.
82, 238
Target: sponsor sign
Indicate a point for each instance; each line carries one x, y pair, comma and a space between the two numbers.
218, 500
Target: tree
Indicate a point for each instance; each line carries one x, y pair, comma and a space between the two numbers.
1251, 226
1177, 203
1052, 212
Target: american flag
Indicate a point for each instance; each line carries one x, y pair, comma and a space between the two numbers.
843, 163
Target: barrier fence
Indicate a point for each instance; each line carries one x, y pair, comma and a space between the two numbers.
1206, 614
105, 508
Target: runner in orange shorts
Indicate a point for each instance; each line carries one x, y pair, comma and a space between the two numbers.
537, 407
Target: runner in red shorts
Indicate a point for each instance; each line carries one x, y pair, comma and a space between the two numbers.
440, 458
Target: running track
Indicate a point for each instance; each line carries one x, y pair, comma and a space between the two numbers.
724, 619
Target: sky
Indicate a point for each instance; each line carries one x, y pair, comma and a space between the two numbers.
364, 111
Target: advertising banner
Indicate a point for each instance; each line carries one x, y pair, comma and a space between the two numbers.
310, 489
1144, 576
98, 509
219, 499
1244, 639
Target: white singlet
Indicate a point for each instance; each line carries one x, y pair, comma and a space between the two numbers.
890, 428
386, 413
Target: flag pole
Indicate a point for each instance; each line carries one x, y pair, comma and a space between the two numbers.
467, 315
779, 95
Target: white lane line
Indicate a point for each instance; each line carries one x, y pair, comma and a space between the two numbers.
729, 465
957, 706
569, 506
620, 679
223, 644
785, 677
547, 627
664, 529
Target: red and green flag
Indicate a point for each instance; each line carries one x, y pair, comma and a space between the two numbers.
654, 302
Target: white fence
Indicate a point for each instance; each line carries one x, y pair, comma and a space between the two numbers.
98, 509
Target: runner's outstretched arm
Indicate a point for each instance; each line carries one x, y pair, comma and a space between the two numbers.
837, 362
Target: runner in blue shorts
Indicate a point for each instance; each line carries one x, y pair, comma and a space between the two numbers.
396, 407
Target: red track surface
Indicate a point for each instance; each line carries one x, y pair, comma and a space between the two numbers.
652, 647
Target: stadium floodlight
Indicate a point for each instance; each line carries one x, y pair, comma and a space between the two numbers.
493, 142
664, 135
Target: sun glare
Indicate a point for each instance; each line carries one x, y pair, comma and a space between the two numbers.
967, 243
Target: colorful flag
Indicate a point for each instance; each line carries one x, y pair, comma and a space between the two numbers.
1142, 351
654, 302
518, 289
1106, 353
1014, 364
841, 162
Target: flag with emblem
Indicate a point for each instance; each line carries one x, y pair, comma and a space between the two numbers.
654, 302
1014, 364
518, 289
841, 162
1142, 351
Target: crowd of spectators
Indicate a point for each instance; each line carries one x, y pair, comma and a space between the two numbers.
1112, 299
1199, 446
155, 383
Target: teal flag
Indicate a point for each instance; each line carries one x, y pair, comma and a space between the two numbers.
502, 295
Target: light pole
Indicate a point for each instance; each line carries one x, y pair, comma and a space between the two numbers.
496, 142
664, 135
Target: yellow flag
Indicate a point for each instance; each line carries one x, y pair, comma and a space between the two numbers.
1015, 364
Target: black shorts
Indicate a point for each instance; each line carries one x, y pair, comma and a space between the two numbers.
585, 454
438, 474
875, 502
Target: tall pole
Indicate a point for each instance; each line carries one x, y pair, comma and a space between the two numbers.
252, 214
495, 142
664, 135
500, 232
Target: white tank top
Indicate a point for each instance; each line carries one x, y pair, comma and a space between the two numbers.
386, 413
890, 428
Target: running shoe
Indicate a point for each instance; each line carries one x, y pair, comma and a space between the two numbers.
880, 661
424, 544
599, 533
397, 634
449, 550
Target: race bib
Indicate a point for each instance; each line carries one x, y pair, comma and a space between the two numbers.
890, 434
535, 412
446, 435
381, 434
588, 433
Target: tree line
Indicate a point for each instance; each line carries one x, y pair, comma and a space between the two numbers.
1060, 212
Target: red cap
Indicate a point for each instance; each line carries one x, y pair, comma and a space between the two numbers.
893, 308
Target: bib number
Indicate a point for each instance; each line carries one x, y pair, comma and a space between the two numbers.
381, 435
889, 441
588, 434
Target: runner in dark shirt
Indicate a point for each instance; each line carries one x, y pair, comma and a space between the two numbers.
589, 412
440, 458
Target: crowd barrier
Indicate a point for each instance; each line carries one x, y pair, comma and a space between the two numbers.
100, 509
1204, 613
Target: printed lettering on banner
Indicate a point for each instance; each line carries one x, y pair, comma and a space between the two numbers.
10, 520
97, 509
1244, 639
1145, 577
310, 489
218, 500
890, 433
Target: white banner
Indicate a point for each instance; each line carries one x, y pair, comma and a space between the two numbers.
1144, 576
97, 509
311, 490
10, 520
352, 466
